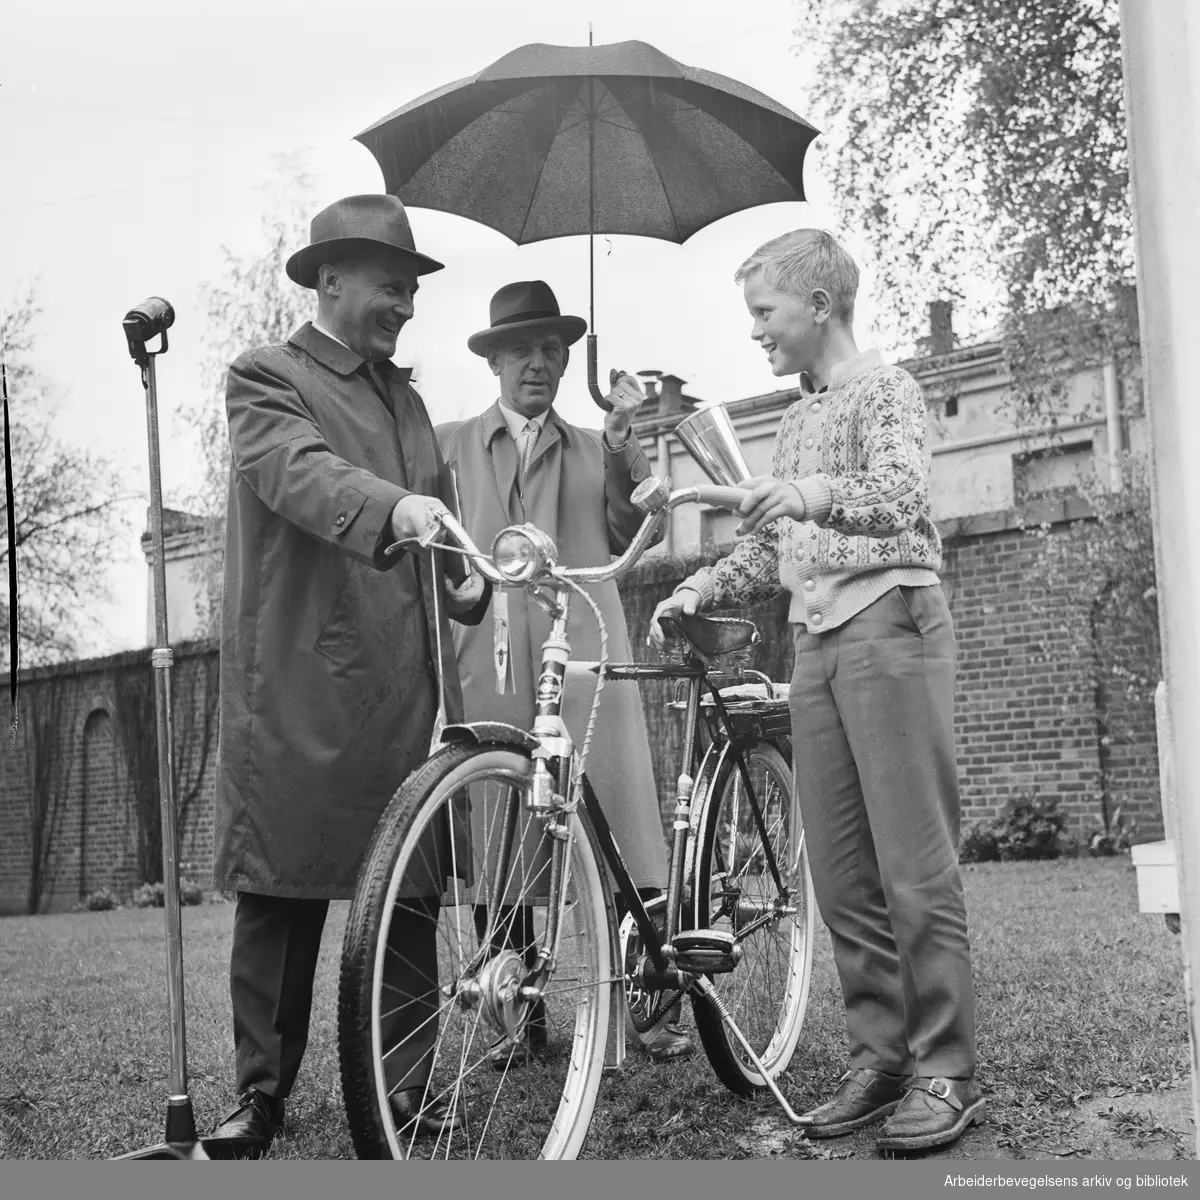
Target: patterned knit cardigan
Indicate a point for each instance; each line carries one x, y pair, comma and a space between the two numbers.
866, 496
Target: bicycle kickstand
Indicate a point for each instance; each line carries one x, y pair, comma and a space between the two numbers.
706, 989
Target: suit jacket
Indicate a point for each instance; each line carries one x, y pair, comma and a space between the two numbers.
579, 493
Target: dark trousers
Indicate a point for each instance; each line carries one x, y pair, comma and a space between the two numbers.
872, 706
276, 941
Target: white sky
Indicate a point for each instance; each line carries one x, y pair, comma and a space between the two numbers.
138, 140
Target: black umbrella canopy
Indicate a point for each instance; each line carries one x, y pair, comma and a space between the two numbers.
553, 141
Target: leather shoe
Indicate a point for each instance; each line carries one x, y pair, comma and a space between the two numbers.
512, 1052
672, 1041
249, 1130
934, 1112
431, 1116
863, 1097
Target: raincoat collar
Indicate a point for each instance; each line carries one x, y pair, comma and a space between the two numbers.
341, 359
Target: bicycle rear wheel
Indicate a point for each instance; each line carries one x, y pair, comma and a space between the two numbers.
431, 966
733, 890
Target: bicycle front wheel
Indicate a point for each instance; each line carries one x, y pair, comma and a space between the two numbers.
450, 911
734, 891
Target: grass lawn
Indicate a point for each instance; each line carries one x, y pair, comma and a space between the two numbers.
1078, 996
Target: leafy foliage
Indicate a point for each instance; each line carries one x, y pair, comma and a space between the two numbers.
102, 900
252, 303
1029, 828
68, 515
979, 146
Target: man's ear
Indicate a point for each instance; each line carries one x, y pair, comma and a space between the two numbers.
566, 356
329, 279
493, 361
822, 308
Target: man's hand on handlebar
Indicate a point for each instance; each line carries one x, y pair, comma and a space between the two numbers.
686, 600
414, 514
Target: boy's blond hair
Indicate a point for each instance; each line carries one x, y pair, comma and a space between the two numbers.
803, 260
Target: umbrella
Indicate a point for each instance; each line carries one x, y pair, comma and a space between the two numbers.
552, 141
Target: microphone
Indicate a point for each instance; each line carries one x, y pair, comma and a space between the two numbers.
146, 322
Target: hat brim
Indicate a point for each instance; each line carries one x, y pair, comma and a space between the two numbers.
303, 266
570, 329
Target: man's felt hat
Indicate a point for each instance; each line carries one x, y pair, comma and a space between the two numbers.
526, 308
357, 220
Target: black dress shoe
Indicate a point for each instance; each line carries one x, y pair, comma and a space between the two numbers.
431, 1116
863, 1097
249, 1130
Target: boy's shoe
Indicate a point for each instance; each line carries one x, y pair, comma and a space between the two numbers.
863, 1097
934, 1112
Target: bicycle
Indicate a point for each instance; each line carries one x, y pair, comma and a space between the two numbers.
498, 843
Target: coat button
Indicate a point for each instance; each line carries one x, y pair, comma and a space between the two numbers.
815, 619
341, 520
809, 443
816, 407
810, 586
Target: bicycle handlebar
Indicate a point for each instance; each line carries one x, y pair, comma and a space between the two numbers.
718, 497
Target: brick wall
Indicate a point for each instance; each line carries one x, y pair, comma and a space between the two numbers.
70, 774
1028, 721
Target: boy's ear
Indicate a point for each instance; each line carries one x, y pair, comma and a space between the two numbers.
822, 308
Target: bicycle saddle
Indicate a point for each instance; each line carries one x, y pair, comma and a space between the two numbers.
712, 636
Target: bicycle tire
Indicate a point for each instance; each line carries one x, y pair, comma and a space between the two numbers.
771, 1021
542, 1108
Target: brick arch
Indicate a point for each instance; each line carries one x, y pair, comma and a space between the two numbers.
104, 813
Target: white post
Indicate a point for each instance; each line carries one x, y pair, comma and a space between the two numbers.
1161, 47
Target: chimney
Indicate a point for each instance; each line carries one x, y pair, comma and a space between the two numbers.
650, 383
672, 394
941, 327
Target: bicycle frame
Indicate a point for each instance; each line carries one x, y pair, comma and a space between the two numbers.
554, 781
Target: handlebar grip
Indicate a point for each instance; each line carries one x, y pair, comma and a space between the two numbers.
721, 497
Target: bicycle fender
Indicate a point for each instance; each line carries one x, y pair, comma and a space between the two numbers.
489, 733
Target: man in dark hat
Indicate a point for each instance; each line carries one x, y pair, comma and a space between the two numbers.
520, 461
329, 684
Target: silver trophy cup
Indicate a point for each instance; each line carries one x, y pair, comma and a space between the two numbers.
710, 439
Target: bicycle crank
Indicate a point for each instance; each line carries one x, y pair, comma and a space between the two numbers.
706, 951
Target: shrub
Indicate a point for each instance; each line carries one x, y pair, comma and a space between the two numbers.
101, 900
153, 895
979, 844
1116, 839
1029, 828
149, 895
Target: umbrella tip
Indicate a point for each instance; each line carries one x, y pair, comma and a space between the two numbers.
589, 33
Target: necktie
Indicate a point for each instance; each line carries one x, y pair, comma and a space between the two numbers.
529, 437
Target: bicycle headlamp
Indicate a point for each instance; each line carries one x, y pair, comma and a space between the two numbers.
522, 551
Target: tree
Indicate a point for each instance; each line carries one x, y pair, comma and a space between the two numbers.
979, 148
252, 303
68, 514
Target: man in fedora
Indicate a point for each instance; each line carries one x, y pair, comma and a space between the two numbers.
328, 688
520, 461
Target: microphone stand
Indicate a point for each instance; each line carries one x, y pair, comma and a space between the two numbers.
180, 1140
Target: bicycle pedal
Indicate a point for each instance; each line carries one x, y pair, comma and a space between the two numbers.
706, 951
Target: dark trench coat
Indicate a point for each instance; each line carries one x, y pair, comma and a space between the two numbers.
327, 691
